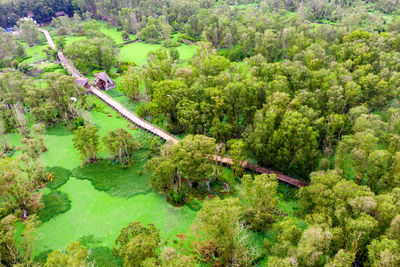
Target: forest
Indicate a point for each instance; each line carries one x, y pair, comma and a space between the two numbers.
308, 89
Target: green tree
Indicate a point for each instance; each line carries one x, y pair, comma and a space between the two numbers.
75, 255
188, 160
384, 252
136, 243
130, 84
86, 141
17, 188
283, 138
261, 200
29, 31
238, 156
158, 68
174, 54
170, 257
8, 249
98, 52
218, 233
288, 234
122, 145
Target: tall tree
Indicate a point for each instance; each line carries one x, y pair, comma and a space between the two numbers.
130, 84
74, 255
86, 140
261, 200
137, 243
122, 145
29, 30
219, 235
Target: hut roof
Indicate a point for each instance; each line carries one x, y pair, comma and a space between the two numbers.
102, 76
60, 13
82, 82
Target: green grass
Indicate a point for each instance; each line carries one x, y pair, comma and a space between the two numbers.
55, 203
35, 54
137, 52
95, 212
113, 33
61, 176
102, 215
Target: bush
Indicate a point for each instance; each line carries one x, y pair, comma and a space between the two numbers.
125, 36
55, 203
188, 38
176, 198
76, 123
104, 258
143, 110
170, 43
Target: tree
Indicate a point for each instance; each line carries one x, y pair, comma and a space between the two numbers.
218, 233
18, 188
174, 54
86, 140
130, 84
158, 68
237, 153
384, 252
155, 30
19, 119
122, 145
283, 138
288, 234
188, 160
136, 243
29, 237
31, 148
172, 258
8, 249
75, 255
98, 52
261, 201
29, 30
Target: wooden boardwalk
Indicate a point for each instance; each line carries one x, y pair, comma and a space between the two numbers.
145, 125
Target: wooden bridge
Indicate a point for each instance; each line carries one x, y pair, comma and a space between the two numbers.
145, 125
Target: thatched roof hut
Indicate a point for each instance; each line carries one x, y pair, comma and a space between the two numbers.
103, 81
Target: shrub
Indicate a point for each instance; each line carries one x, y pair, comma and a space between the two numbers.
176, 198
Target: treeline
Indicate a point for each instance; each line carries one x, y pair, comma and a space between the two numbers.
291, 102
12, 11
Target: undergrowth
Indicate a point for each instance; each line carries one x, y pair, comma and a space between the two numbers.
55, 203
109, 176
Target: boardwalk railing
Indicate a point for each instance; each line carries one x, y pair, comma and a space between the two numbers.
143, 124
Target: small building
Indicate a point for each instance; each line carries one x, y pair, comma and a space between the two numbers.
103, 81
60, 14
30, 14
83, 82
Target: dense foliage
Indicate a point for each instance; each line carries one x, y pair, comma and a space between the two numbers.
309, 88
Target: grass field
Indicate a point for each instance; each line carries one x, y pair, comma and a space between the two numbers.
35, 54
113, 33
137, 52
103, 198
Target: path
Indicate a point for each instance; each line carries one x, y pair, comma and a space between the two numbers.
131, 117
